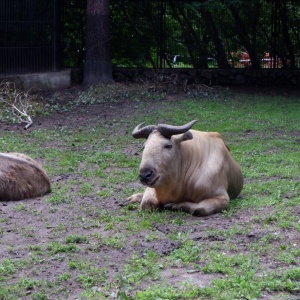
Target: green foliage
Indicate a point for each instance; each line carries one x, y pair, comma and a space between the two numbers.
161, 291
76, 239
140, 268
7, 267
150, 34
56, 247
189, 252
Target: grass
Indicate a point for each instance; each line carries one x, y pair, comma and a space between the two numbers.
97, 250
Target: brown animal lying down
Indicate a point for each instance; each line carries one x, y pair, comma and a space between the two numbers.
186, 170
21, 177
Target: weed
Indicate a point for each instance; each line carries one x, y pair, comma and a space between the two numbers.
76, 239
139, 268
56, 247
187, 253
7, 267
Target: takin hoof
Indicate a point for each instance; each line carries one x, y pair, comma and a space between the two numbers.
169, 206
174, 207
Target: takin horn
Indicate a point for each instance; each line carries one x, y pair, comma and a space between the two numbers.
169, 130
143, 132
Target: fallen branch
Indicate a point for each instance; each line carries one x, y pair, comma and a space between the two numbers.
18, 101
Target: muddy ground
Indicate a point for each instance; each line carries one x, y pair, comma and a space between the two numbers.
37, 224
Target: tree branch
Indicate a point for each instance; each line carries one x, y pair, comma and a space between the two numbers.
19, 102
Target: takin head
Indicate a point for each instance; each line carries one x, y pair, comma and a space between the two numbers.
160, 151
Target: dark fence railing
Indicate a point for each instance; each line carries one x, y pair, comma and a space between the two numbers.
206, 34
153, 34
29, 36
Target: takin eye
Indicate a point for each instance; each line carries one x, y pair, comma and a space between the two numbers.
168, 146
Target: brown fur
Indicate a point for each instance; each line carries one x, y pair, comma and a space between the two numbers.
193, 172
21, 177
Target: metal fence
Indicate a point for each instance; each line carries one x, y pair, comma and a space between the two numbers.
29, 36
153, 34
206, 34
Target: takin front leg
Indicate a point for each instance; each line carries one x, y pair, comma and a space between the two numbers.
135, 198
203, 208
150, 200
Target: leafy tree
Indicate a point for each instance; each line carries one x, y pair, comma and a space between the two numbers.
74, 32
200, 34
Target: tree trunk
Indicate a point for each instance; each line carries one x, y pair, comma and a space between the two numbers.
97, 66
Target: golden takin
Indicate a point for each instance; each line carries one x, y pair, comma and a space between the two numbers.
186, 170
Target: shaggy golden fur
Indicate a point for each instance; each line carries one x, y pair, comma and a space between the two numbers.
193, 172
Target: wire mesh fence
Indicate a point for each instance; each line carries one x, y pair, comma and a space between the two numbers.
28, 36
153, 34
206, 34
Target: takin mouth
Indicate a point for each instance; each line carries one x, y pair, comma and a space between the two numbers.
153, 182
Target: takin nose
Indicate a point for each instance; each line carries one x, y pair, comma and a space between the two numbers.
146, 175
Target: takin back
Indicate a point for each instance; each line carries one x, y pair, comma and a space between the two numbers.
186, 170
21, 177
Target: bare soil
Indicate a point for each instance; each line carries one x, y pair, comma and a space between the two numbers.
23, 228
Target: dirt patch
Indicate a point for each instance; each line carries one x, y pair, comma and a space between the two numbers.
27, 226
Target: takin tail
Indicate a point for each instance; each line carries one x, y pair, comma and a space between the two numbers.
21, 177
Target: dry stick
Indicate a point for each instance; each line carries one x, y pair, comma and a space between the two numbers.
21, 114
27, 119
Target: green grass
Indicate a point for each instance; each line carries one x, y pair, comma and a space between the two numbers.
250, 251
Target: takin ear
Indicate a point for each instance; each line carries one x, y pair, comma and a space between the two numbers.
183, 137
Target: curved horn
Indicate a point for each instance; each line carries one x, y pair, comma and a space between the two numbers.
143, 132
169, 130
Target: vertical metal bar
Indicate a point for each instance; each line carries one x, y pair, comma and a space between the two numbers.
162, 34
161, 24
159, 12
54, 41
275, 34
56, 35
